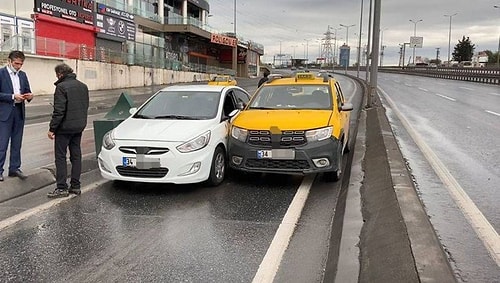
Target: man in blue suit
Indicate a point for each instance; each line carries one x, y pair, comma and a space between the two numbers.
14, 91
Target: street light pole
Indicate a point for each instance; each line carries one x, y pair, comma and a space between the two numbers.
359, 41
307, 52
498, 49
415, 22
235, 48
449, 37
347, 44
382, 47
347, 33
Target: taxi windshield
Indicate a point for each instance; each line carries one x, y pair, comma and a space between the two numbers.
292, 97
221, 79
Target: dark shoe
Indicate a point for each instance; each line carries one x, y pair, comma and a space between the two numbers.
75, 190
1, 178
58, 193
18, 173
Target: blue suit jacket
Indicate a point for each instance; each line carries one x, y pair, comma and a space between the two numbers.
6, 91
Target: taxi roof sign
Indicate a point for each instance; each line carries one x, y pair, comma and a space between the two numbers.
304, 76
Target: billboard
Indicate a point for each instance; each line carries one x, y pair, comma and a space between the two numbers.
416, 41
117, 24
77, 11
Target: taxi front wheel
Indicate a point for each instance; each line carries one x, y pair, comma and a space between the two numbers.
334, 176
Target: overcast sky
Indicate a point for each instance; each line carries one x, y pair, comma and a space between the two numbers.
292, 22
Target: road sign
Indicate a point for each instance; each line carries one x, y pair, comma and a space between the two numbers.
416, 41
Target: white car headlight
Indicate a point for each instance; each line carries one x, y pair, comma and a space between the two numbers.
239, 134
108, 140
195, 144
319, 134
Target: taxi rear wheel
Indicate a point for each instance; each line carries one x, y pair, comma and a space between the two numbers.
218, 168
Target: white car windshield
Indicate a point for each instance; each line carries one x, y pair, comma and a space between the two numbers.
187, 105
292, 97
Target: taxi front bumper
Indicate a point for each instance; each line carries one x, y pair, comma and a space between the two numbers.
313, 157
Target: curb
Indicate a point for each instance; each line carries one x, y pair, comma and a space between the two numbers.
39, 178
15, 187
430, 259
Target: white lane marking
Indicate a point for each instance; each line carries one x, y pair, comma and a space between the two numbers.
467, 88
423, 89
447, 97
408, 85
493, 93
484, 230
271, 262
36, 210
491, 112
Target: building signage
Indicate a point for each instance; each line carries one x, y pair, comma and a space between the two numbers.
81, 11
115, 23
109, 11
224, 40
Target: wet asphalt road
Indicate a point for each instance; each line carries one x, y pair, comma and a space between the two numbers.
163, 233
457, 121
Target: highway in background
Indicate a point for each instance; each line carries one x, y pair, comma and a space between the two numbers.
449, 133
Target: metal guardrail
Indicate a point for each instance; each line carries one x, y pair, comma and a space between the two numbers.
479, 75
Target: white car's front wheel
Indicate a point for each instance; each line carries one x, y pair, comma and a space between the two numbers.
218, 169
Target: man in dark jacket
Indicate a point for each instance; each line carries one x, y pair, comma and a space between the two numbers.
264, 78
69, 119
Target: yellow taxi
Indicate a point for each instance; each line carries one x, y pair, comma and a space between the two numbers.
295, 125
222, 80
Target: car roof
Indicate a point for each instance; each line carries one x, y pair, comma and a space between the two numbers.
301, 78
198, 87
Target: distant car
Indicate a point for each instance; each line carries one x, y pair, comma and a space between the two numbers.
223, 80
466, 64
295, 125
179, 136
321, 73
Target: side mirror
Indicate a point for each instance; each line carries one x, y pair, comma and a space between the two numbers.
346, 107
233, 113
132, 110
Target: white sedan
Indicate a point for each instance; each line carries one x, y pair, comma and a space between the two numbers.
179, 136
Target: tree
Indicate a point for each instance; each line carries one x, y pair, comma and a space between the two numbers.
463, 50
492, 56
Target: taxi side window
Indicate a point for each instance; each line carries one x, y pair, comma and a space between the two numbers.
229, 104
340, 95
241, 97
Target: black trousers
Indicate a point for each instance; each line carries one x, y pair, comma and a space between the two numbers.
61, 144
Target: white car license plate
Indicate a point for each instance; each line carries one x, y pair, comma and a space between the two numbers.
276, 154
129, 161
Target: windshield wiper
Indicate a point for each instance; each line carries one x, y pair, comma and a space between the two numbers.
178, 117
140, 116
262, 107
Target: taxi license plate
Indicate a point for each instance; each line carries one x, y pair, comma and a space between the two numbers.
129, 162
276, 154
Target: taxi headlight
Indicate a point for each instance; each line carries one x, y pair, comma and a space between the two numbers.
239, 134
319, 134
108, 141
195, 144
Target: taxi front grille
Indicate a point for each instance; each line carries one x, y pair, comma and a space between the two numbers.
142, 173
286, 138
277, 164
